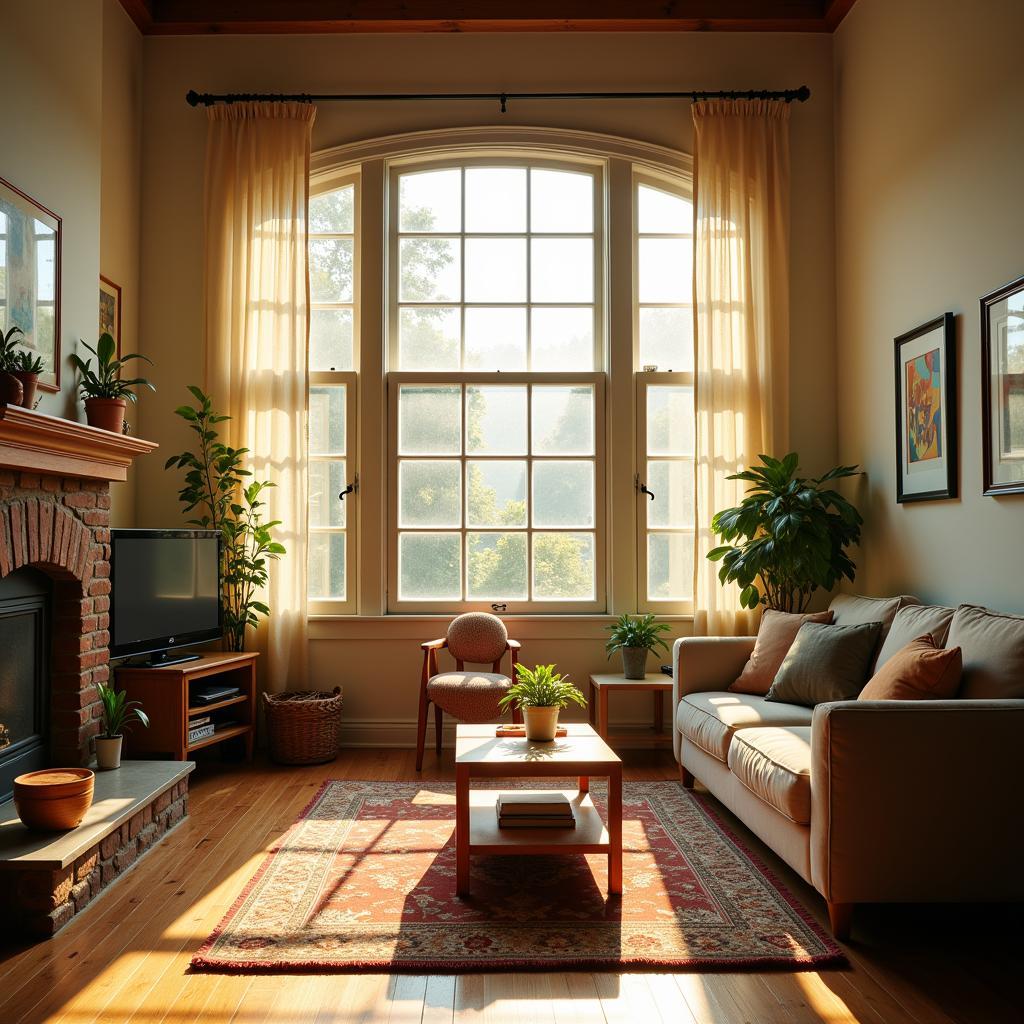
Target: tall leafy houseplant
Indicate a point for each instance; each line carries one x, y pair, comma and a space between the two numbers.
788, 536
215, 485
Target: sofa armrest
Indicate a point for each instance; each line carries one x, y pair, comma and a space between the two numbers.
703, 663
917, 800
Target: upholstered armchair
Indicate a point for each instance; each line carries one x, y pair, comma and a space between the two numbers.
477, 638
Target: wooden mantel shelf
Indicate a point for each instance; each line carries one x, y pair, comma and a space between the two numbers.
38, 443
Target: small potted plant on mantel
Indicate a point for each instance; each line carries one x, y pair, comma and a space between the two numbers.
27, 368
635, 638
118, 714
12, 390
540, 693
105, 392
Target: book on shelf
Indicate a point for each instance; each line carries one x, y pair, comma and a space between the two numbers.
518, 822
534, 805
201, 732
194, 723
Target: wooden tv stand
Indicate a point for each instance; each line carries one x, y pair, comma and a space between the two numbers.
164, 692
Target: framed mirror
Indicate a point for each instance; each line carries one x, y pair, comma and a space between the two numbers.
1002, 378
30, 247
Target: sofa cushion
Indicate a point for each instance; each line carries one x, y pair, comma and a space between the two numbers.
826, 663
774, 638
775, 765
993, 651
921, 671
853, 610
911, 622
709, 720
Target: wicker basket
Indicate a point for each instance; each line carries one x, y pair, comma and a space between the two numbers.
303, 726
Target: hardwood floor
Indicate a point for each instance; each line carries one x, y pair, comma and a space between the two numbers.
125, 959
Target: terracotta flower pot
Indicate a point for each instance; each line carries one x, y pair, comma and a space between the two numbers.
55, 799
634, 662
11, 390
106, 413
29, 383
108, 752
541, 724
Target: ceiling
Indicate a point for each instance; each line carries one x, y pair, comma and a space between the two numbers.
206, 17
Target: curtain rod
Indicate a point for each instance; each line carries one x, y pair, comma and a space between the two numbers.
194, 99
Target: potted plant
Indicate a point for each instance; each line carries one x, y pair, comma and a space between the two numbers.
27, 368
11, 390
105, 392
788, 536
635, 638
540, 694
118, 714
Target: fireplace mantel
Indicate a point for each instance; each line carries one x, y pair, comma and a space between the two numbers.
37, 443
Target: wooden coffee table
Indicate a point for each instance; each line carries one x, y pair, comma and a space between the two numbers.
481, 754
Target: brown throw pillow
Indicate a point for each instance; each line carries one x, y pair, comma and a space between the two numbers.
774, 638
826, 663
920, 671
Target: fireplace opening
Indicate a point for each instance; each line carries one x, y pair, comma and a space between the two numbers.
26, 598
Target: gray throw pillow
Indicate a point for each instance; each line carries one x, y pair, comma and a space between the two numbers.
826, 663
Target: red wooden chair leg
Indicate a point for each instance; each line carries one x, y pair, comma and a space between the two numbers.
437, 729
421, 731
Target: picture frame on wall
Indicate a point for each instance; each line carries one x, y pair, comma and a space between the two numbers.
926, 412
110, 311
1002, 389
30, 260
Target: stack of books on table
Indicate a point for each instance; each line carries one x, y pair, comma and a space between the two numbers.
535, 810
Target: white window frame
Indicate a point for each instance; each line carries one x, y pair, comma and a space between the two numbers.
349, 379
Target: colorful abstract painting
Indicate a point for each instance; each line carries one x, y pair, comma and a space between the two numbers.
924, 407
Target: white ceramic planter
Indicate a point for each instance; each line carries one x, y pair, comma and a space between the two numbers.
108, 752
541, 724
634, 662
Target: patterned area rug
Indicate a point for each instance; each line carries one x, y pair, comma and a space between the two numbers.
365, 879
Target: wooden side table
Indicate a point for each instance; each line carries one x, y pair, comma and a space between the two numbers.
655, 683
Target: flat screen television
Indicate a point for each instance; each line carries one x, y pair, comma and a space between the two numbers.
164, 590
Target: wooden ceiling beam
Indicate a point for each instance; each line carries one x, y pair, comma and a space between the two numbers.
172, 17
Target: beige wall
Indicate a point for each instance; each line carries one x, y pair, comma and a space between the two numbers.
378, 663
121, 140
929, 165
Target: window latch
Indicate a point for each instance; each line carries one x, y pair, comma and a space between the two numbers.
643, 488
498, 607
352, 488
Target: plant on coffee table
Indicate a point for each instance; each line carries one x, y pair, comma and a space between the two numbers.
540, 693
118, 713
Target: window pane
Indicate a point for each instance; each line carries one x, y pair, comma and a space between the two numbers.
563, 494
496, 494
496, 338
670, 421
563, 566
495, 269
333, 212
428, 338
496, 565
330, 269
495, 199
429, 493
561, 339
561, 201
670, 566
429, 270
672, 483
326, 566
430, 201
496, 419
327, 420
666, 270
330, 339
563, 420
666, 338
429, 566
663, 213
562, 270
326, 482
430, 420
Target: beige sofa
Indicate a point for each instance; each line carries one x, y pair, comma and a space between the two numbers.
871, 801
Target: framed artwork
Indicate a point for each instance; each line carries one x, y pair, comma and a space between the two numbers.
30, 248
926, 398
110, 310
1002, 388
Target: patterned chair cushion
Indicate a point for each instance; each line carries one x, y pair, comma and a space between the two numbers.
469, 696
477, 637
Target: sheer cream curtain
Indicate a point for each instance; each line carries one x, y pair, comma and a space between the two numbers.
741, 300
257, 309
